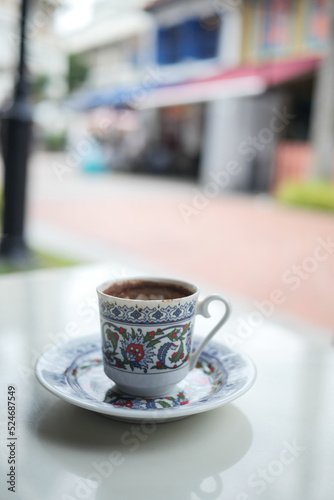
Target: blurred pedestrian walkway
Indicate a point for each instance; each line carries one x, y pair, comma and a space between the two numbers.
280, 258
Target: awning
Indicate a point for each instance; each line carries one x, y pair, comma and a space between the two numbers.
117, 97
202, 91
237, 82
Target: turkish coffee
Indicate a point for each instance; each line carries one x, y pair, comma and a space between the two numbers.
147, 290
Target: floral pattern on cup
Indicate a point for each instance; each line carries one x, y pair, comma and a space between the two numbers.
135, 403
74, 372
137, 350
86, 367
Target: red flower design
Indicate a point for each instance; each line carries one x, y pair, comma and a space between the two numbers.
174, 354
185, 326
175, 366
129, 404
184, 402
174, 335
121, 330
182, 355
151, 334
212, 369
159, 364
186, 359
116, 335
136, 351
118, 365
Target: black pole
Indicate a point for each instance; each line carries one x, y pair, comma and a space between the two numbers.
15, 138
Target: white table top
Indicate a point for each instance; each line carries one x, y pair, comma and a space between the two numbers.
276, 442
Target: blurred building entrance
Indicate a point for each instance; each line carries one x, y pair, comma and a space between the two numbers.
176, 146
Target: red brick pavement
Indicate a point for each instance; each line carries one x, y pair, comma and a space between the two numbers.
244, 245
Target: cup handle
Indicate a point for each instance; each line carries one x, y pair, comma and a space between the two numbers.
203, 310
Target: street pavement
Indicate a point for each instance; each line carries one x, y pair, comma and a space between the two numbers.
279, 258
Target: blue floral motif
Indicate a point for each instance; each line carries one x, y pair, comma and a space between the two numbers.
178, 335
140, 349
54, 378
74, 371
147, 315
124, 401
137, 352
162, 353
135, 314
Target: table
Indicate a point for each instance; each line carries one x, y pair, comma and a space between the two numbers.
275, 442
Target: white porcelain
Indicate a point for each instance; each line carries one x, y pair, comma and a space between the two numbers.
147, 343
217, 454
74, 372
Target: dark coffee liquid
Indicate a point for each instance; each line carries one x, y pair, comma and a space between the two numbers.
147, 290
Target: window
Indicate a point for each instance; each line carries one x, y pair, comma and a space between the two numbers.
193, 39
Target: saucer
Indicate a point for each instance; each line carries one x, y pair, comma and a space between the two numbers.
73, 371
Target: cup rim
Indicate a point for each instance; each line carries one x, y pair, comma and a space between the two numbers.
186, 284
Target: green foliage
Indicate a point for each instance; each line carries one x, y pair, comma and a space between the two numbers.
55, 142
112, 337
152, 343
47, 260
120, 363
177, 356
77, 71
315, 194
38, 86
40, 260
164, 404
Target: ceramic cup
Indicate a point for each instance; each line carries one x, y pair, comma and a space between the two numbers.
146, 344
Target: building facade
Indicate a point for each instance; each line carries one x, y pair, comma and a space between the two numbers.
284, 29
225, 72
279, 41
115, 44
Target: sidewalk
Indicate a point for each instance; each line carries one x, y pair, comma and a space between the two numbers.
247, 246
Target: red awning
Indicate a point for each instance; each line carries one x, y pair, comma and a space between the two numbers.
273, 73
236, 82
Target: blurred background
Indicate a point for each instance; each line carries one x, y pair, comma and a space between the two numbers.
196, 135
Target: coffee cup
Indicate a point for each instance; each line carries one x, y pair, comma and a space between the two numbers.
147, 327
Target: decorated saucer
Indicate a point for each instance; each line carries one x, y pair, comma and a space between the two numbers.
73, 371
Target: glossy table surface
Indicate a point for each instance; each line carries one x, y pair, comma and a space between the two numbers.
275, 442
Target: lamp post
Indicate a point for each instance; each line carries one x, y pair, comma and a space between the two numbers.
16, 125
